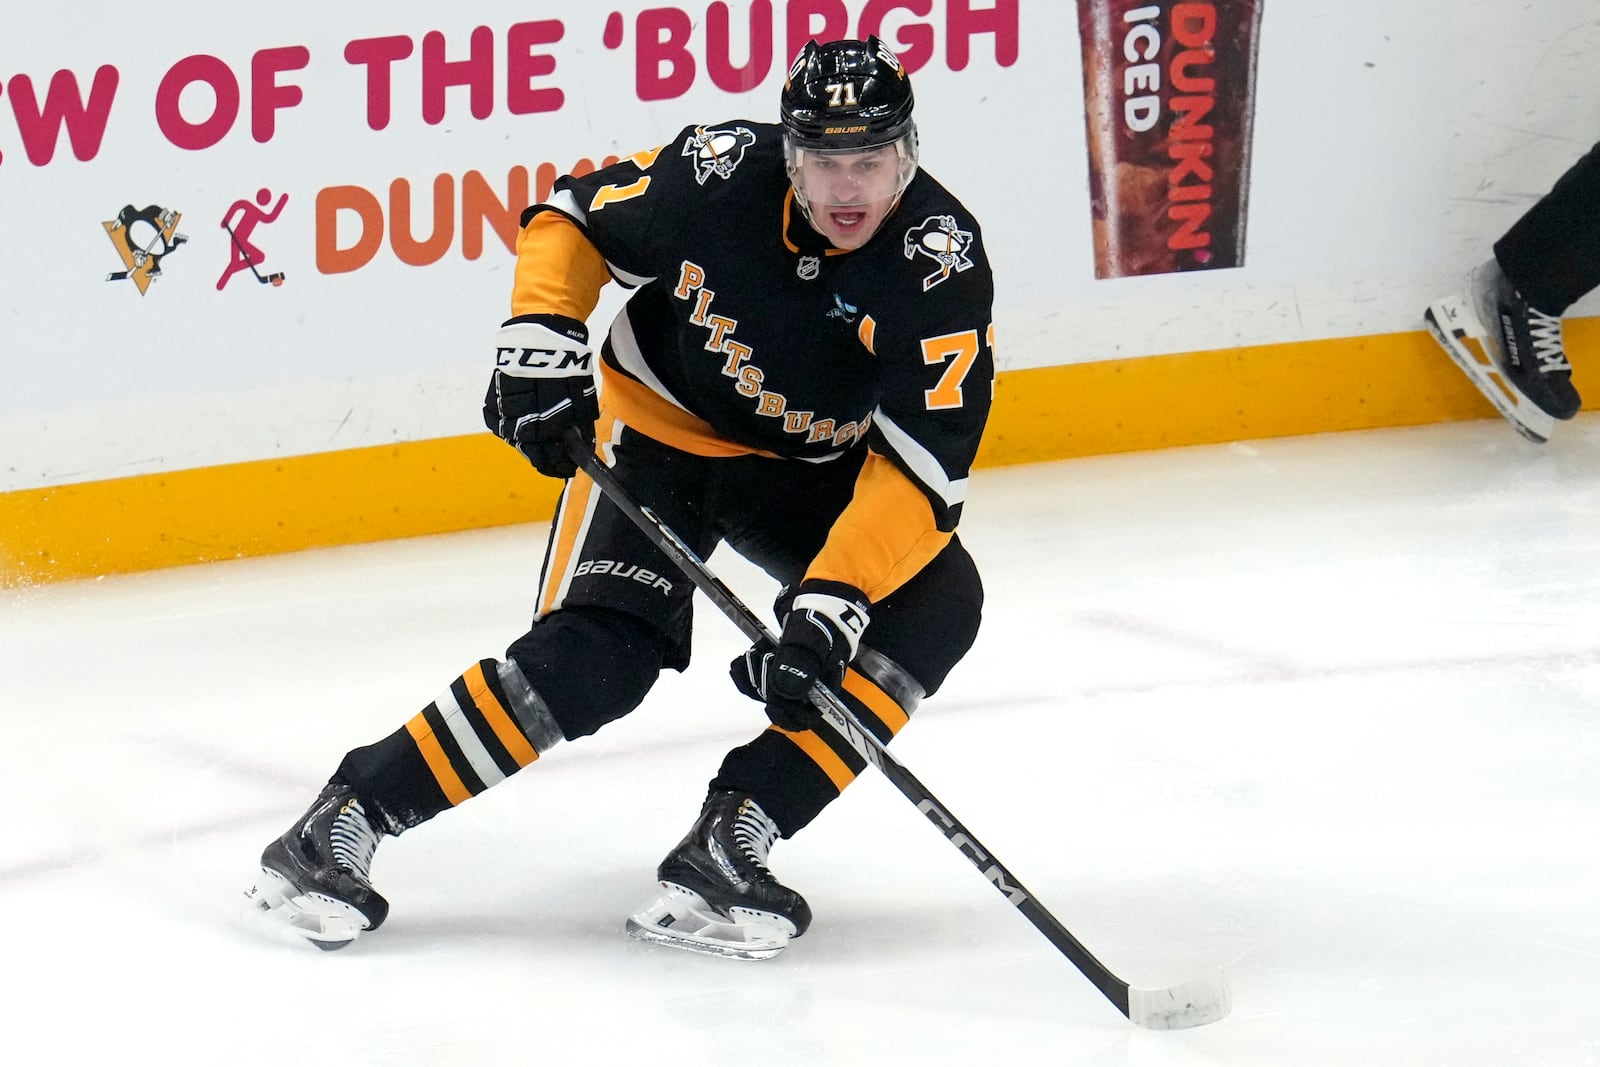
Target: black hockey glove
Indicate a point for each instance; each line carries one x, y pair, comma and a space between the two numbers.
822, 627
543, 385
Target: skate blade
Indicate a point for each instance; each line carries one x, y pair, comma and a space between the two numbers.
681, 918
1452, 323
272, 907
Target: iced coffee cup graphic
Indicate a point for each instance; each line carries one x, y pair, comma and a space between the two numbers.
1169, 95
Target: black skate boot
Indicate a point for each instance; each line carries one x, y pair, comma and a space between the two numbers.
315, 879
1526, 342
1519, 364
717, 894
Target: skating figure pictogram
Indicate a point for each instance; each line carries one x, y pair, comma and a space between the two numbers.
240, 222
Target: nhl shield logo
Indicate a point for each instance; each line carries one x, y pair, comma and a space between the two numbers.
809, 268
717, 152
938, 238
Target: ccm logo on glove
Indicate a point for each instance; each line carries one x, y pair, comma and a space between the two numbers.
822, 628
542, 386
549, 361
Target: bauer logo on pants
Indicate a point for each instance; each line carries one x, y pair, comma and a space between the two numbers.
1169, 101
629, 571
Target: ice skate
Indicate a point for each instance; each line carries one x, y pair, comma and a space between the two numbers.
315, 881
1519, 363
717, 895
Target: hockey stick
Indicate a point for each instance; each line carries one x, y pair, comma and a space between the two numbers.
274, 279
1193, 1003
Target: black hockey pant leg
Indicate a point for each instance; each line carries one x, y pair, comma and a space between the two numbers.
917, 635
1552, 254
500, 716
590, 665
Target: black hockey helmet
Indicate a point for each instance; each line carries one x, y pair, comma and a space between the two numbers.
848, 138
846, 95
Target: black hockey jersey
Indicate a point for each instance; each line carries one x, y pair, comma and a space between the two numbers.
749, 332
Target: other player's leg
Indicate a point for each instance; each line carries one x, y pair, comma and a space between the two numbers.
1513, 304
1526, 341
1519, 363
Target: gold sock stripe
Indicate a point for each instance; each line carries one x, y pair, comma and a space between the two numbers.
807, 741
499, 719
433, 754
881, 704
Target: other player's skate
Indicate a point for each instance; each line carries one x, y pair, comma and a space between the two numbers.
717, 895
315, 879
1520, 364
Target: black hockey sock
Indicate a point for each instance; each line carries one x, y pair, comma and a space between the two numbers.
481, 730
793, 776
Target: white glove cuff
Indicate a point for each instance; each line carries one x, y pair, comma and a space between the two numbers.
529, 350
848, 618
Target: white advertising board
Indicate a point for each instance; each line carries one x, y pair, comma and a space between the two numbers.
372, 159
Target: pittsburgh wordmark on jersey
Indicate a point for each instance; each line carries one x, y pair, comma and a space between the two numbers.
747, 376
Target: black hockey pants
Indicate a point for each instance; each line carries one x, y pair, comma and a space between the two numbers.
1552, 253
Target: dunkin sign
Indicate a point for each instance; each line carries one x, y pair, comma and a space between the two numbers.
1169, 94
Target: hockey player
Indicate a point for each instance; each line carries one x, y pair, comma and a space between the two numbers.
1514, 303
803, 371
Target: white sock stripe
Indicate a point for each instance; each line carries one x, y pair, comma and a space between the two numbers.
472, 747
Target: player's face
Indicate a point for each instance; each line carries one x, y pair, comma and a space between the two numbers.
849, 193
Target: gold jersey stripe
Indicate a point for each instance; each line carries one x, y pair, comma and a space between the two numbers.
637, 406
823, 756
515, 742
433, 754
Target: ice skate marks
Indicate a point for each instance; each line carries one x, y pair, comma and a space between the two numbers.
1453, 323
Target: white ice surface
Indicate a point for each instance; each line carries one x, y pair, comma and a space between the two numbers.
1320, 710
